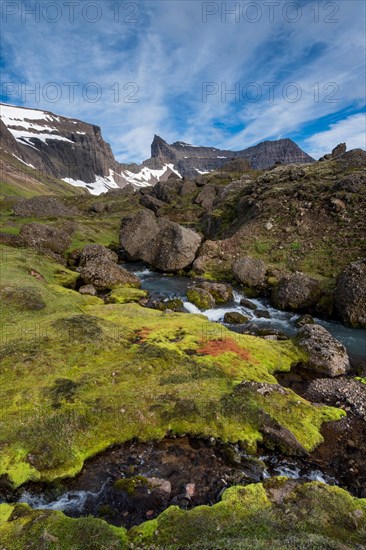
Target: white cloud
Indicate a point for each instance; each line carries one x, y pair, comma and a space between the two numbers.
170, 53
351, 130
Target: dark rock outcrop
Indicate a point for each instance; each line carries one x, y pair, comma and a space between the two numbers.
173, 248
93, 252
325, 355
296, 292
350, 295
221, 292
235, 318
42, 206
136, 233
250, 272
200, 298
45, 237
166, 245
339, 392
106, 275
190, 160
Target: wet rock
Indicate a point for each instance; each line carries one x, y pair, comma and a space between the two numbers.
106, 275
304, 320
92, 252
88, 290
250, 272
325, 355
221, 292
235, 318
45, 237
265, 332
296, 291
43, 207
248, 304
200, 298
262, 314
350, 295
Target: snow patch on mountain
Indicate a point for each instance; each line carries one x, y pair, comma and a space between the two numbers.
20, 123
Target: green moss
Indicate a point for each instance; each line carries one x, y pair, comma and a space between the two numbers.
200, 298
79, 376
278, 513
311, 511
123, 295
130, 484
27, 528
66, 278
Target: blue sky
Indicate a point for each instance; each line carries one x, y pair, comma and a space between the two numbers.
191, 71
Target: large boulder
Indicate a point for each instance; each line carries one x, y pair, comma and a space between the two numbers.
45, 237
152, 203
106, 275
173, 248
42, 206
325, 355
206, 197
136, 233
297, 291
166, 245
350, 295
250, 272
92, 252
187, 188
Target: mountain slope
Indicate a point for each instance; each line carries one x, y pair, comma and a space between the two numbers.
75, 152
190, 160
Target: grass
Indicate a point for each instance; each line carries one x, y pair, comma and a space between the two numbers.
78, 376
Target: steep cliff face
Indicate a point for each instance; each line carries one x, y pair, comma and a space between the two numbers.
65, 148
75, 151
190, 160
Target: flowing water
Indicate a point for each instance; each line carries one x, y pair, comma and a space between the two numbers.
168, 286
181, 460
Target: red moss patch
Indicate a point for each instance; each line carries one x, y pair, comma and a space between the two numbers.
218, 347
142, 334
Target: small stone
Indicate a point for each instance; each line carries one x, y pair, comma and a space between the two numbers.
269, 226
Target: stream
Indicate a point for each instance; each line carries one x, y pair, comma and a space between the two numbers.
181, 471
168, 287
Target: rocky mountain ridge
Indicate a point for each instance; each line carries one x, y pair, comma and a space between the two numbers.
75, 151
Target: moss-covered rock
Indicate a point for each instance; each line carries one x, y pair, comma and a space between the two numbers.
200, 298
279, 513
123, 295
